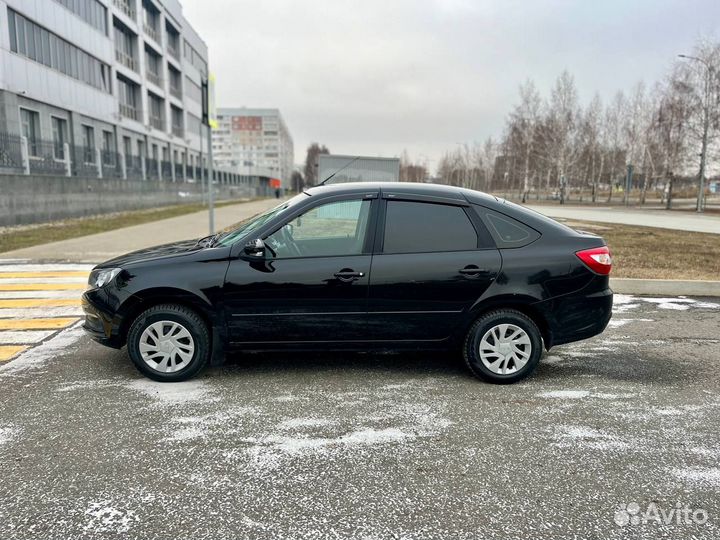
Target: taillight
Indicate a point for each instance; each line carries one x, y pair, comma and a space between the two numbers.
596, 259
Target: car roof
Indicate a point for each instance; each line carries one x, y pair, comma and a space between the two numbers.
407, 188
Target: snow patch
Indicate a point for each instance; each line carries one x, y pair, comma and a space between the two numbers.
36, 357
7, 434
103, 517
565, 394
170, 394
698, 475
299, 423
586, 437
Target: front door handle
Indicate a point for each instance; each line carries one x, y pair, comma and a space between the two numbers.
348, 274
472, 270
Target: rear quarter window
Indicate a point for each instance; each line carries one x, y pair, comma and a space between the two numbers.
506, 231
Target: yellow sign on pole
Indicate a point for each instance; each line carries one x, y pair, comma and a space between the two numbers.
212, 111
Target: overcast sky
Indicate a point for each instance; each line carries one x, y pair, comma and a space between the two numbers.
379, 76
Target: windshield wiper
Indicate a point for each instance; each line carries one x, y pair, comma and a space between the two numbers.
208, 241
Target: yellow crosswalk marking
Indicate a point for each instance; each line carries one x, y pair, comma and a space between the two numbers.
45, 274
8, 351
41, 286
39, 302
36, 324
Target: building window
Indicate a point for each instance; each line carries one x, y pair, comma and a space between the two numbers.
177, 121
59, 129
153, 67
193, 124
88, 140
151, 19
35, 42
127, 148
156, 106
30, 122
175, 80
193, 90
128, 98
125, 46
91, 11
108, 148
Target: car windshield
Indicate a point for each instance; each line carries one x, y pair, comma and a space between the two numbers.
246, 227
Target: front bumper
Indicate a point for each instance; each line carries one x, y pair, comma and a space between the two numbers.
101, 322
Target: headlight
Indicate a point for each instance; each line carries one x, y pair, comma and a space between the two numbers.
102, 276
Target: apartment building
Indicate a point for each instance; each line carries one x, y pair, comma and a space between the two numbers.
253, 143
109, 79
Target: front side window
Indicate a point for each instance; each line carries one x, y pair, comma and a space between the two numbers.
418, 227
328, 230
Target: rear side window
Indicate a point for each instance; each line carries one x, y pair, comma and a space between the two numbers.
418, 227
506, 231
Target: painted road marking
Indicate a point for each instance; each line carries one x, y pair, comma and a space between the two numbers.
40, 312
24, 337
4, 280
73, 274
41, 286
8, 351
36, 324
39, 302
40, 294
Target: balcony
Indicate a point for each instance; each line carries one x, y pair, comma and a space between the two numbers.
152, 32
157, 122
128, 111
154, 78
178, 131
125, 7
176, 91
125, 59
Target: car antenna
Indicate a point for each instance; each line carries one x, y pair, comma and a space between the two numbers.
353, 160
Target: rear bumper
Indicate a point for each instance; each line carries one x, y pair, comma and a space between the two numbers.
574, 318
101, 323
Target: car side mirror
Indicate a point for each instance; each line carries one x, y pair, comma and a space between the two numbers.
254, 249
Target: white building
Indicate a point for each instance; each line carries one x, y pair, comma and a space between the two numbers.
253, 142
119, 76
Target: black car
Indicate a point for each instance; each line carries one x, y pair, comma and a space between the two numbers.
360, 266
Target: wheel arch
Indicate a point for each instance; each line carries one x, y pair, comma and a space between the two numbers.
518, 303
147, 298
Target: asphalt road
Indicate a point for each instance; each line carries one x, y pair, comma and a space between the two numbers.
371, 446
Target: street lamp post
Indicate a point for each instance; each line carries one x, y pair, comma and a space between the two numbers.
709, 71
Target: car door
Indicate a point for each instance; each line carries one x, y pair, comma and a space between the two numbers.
433, 260
312, 283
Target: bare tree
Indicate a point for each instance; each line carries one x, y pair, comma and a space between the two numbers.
522, 128
311, 161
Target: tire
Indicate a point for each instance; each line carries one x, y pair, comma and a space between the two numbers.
510, 326
181, 355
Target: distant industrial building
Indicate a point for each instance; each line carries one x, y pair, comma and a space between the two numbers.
357, 169
253, 142
105, 80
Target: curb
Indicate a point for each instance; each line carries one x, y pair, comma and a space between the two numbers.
665, 287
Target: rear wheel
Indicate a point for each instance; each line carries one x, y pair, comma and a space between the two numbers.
503, 346
169, 343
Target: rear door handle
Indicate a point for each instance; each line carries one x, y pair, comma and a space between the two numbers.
347, 274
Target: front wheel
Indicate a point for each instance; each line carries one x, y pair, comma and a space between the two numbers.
503, 346
169, 343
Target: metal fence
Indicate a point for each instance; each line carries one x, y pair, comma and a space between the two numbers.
21, 155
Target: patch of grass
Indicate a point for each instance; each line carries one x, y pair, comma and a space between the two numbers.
32, 235
652, 253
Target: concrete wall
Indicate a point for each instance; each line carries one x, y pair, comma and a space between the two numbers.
39, 199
